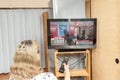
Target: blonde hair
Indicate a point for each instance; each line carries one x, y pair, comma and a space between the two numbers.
26, 61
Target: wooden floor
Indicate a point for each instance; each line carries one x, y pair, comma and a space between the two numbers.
4, 76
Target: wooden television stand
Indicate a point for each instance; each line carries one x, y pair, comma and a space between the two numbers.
74, 73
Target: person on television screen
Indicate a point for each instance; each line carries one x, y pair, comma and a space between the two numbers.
68, 38
83, 35
27, 64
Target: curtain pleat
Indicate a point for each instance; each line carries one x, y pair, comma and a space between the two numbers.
17, 25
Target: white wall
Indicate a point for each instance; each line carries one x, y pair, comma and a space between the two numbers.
69, 8
24, 4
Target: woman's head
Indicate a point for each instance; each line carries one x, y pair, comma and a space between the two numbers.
26, 60
28, 52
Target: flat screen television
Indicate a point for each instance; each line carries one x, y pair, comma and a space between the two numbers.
72, 33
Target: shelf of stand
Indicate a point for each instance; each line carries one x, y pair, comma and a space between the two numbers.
72, 52
74, 73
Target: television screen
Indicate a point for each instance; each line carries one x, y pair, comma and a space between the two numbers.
72, 33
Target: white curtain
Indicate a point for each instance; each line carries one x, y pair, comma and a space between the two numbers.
17, 25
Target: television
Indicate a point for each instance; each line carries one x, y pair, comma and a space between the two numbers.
72, 33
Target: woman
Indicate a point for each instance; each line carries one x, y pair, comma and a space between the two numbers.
27, 64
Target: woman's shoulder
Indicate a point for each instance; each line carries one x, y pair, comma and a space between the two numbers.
44, 76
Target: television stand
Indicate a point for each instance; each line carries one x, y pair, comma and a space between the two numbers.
85, 72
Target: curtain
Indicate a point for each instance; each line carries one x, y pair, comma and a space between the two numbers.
17, 25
